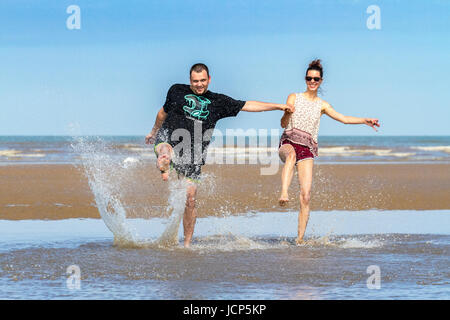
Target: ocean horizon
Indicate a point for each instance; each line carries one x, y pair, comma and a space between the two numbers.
332, 149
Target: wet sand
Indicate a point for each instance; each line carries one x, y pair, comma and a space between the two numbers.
62, 191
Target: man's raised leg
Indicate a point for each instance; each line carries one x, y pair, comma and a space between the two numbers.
164, 152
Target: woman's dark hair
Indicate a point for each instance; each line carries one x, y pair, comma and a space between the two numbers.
315, 65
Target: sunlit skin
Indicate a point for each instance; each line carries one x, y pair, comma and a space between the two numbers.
305, 167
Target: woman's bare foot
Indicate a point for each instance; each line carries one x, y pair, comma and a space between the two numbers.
187, 242
299, 242
284, 199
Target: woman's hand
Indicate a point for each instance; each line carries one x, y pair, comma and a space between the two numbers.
288, 108
372, 123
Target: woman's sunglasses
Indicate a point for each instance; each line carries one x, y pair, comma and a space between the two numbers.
316, 79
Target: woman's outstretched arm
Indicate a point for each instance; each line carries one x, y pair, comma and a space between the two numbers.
329, 111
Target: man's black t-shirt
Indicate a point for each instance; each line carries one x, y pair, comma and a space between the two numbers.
191, 120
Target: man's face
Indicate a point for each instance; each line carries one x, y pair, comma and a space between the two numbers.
199, 82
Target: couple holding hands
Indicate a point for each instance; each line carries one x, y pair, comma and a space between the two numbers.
193, 107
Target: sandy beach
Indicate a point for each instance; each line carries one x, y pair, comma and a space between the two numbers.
62, 191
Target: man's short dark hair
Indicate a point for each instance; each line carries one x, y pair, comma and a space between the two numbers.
199, 67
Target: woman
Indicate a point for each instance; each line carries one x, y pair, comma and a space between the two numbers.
298, 143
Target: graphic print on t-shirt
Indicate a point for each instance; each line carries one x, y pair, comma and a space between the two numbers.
198, 107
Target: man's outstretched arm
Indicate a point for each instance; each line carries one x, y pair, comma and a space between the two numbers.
160, 118
258, 106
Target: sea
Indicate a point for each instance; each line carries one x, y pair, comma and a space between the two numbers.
347, 255
339, 149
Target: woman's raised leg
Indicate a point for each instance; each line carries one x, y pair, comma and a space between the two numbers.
288, 156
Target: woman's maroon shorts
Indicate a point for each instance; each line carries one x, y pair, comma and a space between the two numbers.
302, 152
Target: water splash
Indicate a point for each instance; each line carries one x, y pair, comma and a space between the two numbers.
109, 179
355, 243
177, 197
232, 242
342, 242
103, 173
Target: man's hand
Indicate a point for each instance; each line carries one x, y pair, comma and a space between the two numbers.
151, 137
372, 123
288, 108
160, 118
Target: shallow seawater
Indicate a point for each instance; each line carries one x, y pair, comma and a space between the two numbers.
236, 257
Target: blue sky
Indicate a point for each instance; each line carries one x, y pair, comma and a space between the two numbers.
111, 76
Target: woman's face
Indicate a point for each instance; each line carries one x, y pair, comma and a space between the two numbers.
313, 80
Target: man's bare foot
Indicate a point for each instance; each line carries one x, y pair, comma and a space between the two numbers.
284, 199
165, 176
299, 241
163, 164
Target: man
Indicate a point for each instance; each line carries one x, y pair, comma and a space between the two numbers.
191, 113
